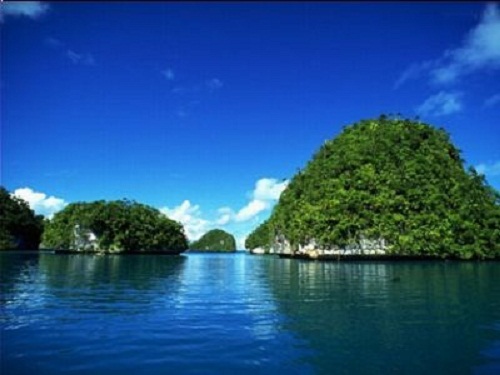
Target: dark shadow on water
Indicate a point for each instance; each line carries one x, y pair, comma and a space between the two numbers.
412, 318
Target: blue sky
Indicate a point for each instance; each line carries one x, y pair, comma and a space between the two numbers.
205, 110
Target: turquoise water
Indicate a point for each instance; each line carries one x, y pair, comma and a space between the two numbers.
227, 314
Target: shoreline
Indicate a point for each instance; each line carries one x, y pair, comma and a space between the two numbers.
379, 258
149, 252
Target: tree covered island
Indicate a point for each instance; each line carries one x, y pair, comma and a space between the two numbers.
386, 186
215, 240
114, 227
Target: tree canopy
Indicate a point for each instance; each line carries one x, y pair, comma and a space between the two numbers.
261, 237
390, 178
215, 240
123, 225
20, 228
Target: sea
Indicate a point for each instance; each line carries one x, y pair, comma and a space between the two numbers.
245, 314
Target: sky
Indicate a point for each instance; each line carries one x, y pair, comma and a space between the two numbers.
206, 110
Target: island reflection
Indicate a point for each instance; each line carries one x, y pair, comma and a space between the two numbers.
440, 317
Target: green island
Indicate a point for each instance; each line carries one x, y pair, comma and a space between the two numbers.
386, 187
121, 226
215, 240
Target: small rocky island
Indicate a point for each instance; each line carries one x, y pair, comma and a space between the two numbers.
114, 227
215, 240
385, 188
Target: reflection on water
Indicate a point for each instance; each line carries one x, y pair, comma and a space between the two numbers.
234, 313
199, 314
438, 317
67, 287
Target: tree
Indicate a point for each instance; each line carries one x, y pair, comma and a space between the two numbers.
261, 237
20, 228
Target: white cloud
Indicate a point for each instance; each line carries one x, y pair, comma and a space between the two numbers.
269, 189
492, 101
441, 104
252, 209
168, 74
489, 169
479, 51
30, 9
264, 195
266, 192
224, 219
225, 215
190, 217
40, 202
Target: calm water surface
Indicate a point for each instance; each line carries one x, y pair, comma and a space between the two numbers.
227, 314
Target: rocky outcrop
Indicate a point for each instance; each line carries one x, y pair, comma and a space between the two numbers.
364, 246
84, 239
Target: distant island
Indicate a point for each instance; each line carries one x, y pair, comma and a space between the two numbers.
215, 240
385, 187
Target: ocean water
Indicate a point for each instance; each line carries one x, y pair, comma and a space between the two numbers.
243, 314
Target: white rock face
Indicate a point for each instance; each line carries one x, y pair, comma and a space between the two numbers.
258, 250
84, 239
365, 246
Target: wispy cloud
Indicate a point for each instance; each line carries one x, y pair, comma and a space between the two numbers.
40, 202
225, 214
414, 71
196, 93
492, 169
479, 51
441, 104
492, 101
214, 84
80, 58
29, 9
53, 43
77, 58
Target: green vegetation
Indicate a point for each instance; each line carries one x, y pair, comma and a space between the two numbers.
261, 237
113, 226
20, 228
215, 240
396, 179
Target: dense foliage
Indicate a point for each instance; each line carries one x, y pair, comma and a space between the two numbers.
117, 225
261, 237
215, 240
396, 179
20, 228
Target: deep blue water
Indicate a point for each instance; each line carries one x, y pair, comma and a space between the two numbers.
242, 314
